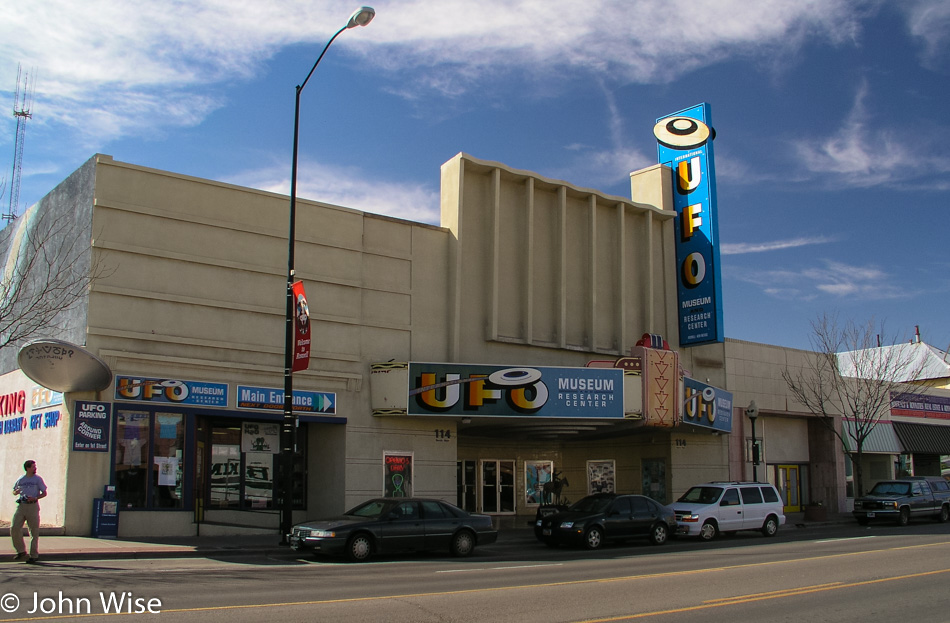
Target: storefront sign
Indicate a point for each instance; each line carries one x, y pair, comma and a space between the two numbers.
301, 328
397, 475
685, 143
171, 391
92, 422
715, 414
920, 405
496, 391
270, 399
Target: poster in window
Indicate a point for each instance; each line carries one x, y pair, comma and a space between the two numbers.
536, 473
600, 477
260, 437
397, 481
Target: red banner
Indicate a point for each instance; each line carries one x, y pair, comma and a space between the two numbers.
301, 328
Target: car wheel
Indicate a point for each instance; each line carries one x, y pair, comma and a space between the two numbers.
709, 531
944, 514
463, 543
659, 534
359, 548
593, 538
903, 518
770, 527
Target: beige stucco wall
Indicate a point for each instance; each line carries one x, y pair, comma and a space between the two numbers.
196, 289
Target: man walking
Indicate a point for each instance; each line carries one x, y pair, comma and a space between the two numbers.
28, 489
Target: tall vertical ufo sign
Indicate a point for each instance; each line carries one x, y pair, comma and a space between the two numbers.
685, 144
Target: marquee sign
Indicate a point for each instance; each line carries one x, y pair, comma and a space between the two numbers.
685, 143
498, 391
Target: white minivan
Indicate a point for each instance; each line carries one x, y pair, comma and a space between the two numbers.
714, 507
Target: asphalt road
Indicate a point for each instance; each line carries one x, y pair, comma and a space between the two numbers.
842, 573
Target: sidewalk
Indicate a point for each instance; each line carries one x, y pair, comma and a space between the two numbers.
66, 548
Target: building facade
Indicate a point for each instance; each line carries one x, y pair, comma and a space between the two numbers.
526, 275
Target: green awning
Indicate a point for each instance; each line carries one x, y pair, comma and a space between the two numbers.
881, 439
923, 438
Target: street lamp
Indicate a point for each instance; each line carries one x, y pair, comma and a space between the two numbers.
288, 434
752, 412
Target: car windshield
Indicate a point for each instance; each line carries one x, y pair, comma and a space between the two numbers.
591, 504
890, 488
701, 495
372, 509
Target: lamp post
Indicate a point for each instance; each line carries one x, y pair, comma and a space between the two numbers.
752, 412
288, 433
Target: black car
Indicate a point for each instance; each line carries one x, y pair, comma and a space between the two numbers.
607, 517
388, 525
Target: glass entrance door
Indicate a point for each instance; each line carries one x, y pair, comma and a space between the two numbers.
790, 486
497, 487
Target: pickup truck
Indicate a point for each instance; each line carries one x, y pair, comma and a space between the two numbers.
903, 499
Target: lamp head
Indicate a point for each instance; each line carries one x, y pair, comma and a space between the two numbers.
752, 411
361, 17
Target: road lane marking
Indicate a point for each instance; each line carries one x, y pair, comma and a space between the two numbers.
745, 599
553, 564
647, 576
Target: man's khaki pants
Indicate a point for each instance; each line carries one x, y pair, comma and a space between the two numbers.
29, 514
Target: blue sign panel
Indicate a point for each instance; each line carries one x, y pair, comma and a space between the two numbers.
498, 391
685, 144
91, 425
271, 399
171, 391
712, 410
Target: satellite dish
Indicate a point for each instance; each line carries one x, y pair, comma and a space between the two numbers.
63, 367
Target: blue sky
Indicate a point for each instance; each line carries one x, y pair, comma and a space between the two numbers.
832, 148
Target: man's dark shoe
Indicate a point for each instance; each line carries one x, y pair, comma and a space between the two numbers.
30, 561
21, 556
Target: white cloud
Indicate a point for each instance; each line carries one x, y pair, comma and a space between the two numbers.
929, 20
831, 278
347, 187
740, 248
124, 60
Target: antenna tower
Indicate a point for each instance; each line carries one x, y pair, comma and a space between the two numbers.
22, 110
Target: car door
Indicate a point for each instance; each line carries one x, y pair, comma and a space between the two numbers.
753, 508
730, 511
402, 528
618, 519
921, 501
644, 515
440, 524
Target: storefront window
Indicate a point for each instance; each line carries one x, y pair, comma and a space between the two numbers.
169, 444
131, 458
245, 467
149, 459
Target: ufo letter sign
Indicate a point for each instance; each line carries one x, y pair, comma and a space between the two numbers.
63, 367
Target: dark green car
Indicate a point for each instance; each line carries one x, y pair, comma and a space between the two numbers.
603, 517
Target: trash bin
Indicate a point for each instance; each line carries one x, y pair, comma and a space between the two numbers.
105, 515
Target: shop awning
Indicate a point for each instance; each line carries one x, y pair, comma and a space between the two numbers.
881, 439
923, 438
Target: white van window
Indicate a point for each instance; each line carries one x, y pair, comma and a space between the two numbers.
730, 498
751, 495
769, 494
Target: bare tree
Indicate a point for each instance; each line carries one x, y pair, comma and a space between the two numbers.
851, 376
48, 271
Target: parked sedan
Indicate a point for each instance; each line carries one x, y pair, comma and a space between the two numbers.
388, 525
607, 517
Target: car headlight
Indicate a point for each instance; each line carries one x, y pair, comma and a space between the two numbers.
567, 524
858, 504
538, 523
687, 518
892, 505
323, 534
